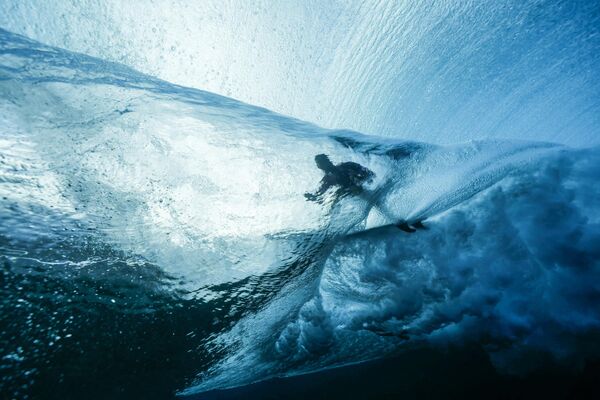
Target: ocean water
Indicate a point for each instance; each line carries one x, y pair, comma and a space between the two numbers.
156, 239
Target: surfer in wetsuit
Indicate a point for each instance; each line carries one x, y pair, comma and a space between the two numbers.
348, 177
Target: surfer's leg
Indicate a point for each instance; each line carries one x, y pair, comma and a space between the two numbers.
404, 227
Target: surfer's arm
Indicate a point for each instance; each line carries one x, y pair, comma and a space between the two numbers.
317, 195
325, 185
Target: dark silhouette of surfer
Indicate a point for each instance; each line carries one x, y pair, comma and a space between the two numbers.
348, 178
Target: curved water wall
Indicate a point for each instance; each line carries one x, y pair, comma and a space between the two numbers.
439, 71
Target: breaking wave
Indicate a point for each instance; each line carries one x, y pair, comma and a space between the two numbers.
157, 224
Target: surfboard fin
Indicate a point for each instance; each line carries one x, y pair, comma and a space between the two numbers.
403, 226
419, 225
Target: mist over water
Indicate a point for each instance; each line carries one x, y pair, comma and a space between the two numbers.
158, 237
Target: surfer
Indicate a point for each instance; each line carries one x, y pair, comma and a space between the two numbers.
348, 177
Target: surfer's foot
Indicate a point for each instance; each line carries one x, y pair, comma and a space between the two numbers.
419, 225
404, 227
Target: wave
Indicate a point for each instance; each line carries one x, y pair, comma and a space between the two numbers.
163, 208
438, 72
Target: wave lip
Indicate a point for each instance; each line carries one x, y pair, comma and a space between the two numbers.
440, 73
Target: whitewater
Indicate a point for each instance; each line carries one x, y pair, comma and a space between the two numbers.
135, 208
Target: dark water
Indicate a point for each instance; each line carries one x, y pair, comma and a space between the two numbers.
453, 373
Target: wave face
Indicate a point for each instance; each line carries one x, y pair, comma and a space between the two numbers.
436, 71
161, 235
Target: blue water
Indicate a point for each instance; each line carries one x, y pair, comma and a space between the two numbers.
156, 237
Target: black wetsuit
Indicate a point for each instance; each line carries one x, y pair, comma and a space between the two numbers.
347, 177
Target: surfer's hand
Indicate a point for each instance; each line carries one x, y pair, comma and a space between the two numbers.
310, 196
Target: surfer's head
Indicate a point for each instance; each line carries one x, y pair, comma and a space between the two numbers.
324, 163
